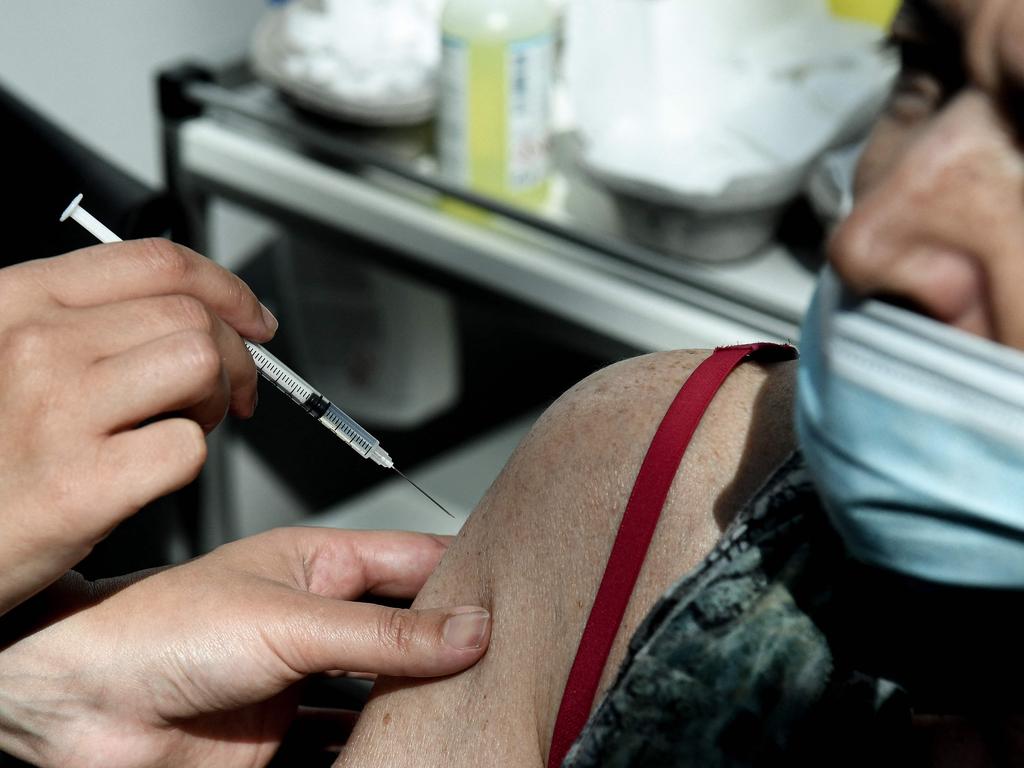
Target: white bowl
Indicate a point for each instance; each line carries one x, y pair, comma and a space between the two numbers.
270, 53
733, 225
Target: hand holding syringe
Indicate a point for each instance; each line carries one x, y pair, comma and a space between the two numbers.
282, 377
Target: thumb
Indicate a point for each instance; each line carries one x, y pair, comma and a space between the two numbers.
362, 637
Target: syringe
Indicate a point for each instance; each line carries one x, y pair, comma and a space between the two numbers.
281, 376
318, 406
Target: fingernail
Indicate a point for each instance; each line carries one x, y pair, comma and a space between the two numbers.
465, 631
269, 320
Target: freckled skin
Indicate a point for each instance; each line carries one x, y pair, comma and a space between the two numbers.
535, 548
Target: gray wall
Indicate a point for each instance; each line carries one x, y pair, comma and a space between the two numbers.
90, 64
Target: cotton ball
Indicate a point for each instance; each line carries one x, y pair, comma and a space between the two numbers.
367, 90
296, 68
307, 30
323, 68
378, 49
406, 80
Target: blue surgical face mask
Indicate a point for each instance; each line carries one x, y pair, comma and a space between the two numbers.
914, 434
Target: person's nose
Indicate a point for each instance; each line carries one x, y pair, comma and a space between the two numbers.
943, 209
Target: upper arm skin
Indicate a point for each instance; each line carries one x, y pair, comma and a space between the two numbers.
534, 551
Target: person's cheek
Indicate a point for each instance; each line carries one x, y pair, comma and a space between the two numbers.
886, 145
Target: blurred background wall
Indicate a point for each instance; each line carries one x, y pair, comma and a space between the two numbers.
112, 49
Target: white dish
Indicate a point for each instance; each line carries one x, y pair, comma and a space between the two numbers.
729, 226
274, 58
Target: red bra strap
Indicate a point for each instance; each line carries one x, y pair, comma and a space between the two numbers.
636, 531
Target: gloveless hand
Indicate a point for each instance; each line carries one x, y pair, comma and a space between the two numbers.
94, 345
197, 665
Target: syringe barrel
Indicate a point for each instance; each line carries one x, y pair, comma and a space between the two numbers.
345, 427
281, 376
319, 407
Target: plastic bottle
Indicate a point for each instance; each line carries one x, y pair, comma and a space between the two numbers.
495, 113
878, 12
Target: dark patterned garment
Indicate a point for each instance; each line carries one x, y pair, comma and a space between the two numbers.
733, 667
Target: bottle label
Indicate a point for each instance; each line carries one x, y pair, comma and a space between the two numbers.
453, 117
530, 68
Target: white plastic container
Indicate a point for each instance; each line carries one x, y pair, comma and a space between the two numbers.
496, 82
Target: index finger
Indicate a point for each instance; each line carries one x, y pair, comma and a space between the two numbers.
105, 274
345, 565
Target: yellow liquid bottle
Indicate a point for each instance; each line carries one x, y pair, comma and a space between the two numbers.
877, 12
494, 133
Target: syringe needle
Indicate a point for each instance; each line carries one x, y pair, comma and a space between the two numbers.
436, 503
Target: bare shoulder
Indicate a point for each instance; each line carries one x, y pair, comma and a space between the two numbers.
577, 467
606, 421
661, 374
535, 549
